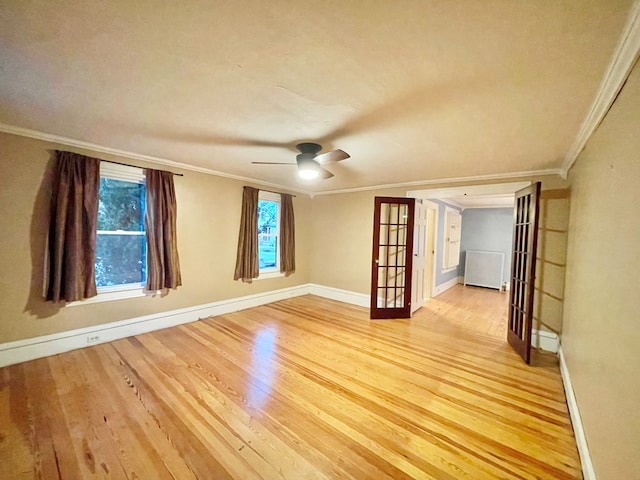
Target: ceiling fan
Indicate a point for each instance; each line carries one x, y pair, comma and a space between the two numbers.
310, 164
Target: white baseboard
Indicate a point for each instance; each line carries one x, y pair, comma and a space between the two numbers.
581, 440
347, 296
43, 346
544, 340
443, 287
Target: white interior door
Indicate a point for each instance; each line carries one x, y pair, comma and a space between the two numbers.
430, 254
419, 256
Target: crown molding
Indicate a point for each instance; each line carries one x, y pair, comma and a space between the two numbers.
624, 58
25, 132
442, 181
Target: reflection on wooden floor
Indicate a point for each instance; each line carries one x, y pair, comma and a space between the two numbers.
302, 388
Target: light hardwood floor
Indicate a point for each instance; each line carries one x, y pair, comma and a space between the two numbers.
302, 388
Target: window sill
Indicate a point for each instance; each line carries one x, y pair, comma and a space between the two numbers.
109, 294
267, 275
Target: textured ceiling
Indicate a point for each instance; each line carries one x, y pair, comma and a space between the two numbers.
414, 91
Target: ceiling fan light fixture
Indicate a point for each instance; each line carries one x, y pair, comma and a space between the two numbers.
307, 168
310, 164
308, 172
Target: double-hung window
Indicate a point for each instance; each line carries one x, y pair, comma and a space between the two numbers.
269, 233
121, 248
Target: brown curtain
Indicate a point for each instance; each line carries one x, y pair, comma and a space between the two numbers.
71, 250
247, 260
163, 264
287, 236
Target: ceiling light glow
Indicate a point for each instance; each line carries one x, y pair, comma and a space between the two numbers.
308, 173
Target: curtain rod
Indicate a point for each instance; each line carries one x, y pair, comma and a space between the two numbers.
277, 193
136, 166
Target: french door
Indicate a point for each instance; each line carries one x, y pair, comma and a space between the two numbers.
391, 259
523, 270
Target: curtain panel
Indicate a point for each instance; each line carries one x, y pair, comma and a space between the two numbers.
163, 263
287, 236
71, 246
247, 257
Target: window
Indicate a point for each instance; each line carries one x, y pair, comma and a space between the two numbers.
268, 233
121, 256
452, 231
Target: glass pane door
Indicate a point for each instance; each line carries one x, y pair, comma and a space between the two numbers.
391, 259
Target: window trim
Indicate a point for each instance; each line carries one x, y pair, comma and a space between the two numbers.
115, 292
275, 271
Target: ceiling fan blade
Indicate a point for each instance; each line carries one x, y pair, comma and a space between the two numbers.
273, 163
324, 173
331, 157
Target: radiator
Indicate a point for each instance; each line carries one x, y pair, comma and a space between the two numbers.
484, 269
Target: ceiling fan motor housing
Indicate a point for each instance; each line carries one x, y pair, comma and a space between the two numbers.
308, 148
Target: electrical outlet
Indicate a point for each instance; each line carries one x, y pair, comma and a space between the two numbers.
93, 339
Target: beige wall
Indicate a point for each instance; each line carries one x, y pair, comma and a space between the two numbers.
343, 227
342, 235
208, 219
333, 243
601, 331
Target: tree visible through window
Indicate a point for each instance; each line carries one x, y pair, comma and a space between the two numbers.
121, 256
268, 232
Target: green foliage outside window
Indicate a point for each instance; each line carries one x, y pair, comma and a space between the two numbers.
120, 254
121, 205
267, 234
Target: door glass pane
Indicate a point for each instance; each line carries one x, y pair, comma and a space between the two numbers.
392, 255
399, 298
382, 256
393, 213
380, 300
402, 235
384, 213
403, 214
401, 256
393, 235
382, 276
384, 232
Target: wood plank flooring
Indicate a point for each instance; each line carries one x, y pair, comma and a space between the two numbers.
299, 389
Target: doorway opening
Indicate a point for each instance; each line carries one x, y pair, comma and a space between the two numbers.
495, 201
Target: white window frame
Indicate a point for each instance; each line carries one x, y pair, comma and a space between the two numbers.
275, 271
452, 220
129, 290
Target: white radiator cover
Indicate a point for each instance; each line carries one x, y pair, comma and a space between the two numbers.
484, 269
